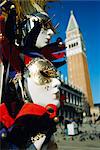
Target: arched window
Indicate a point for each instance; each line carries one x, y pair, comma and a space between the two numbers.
76, 43
72, 45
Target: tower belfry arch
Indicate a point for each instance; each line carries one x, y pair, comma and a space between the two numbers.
78, 73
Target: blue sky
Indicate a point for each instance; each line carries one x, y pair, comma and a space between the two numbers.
87, 14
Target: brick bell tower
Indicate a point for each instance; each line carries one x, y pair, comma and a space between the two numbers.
78, 73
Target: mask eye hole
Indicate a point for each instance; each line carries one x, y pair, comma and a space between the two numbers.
45, 74
49, 73
47, 26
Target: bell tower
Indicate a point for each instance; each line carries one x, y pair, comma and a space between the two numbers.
78, 73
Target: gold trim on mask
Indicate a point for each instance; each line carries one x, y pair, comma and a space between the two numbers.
44, 71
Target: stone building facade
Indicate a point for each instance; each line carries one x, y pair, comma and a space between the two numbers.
71, 102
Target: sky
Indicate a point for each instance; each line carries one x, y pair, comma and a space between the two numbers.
87, 14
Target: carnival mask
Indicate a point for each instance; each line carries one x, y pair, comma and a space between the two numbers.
44, 37
42, 82
46, 31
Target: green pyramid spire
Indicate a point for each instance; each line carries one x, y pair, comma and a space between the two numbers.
72, 22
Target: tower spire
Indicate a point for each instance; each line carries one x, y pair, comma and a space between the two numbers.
72, 24
71, 12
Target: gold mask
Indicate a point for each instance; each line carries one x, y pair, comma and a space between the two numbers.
42, 70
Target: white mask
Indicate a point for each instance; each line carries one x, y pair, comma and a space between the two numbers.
43, 90
44, 37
